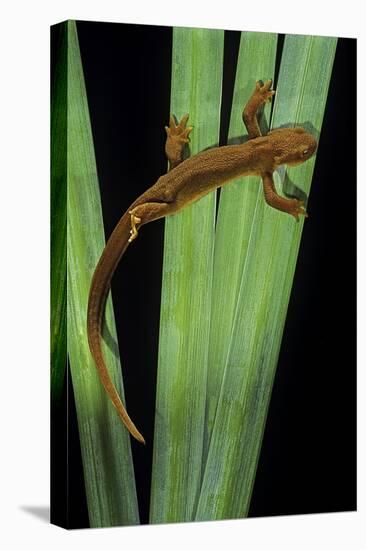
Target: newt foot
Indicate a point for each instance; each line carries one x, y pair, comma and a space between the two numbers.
263, 91
297, 208
177, 137
179, 131
135, 220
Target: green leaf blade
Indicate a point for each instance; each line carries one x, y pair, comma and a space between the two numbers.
263, 298
58, 220
186, 291
256, 60
105, 444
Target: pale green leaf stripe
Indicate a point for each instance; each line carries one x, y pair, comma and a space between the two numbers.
187, 276
105, 444
256, 60
263, 299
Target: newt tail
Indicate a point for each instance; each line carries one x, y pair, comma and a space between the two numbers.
99, 290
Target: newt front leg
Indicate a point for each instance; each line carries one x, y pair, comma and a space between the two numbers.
261, 95
177, 138
294, 207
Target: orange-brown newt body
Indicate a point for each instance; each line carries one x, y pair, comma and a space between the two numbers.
186, 182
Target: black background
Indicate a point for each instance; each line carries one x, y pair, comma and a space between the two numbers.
308, 458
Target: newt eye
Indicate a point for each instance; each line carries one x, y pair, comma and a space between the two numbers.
305, 152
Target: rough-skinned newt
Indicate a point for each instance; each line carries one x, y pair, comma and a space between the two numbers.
186, 182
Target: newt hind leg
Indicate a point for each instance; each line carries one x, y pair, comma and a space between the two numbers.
135, 220
261, 95
148, 212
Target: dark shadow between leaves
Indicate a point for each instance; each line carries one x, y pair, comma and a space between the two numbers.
110, 340
292, 191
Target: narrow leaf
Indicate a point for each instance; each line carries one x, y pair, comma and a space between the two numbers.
58, 218
264, 294
105, 444
186, 293
256, 60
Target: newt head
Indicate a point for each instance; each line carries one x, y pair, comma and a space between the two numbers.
292, 146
